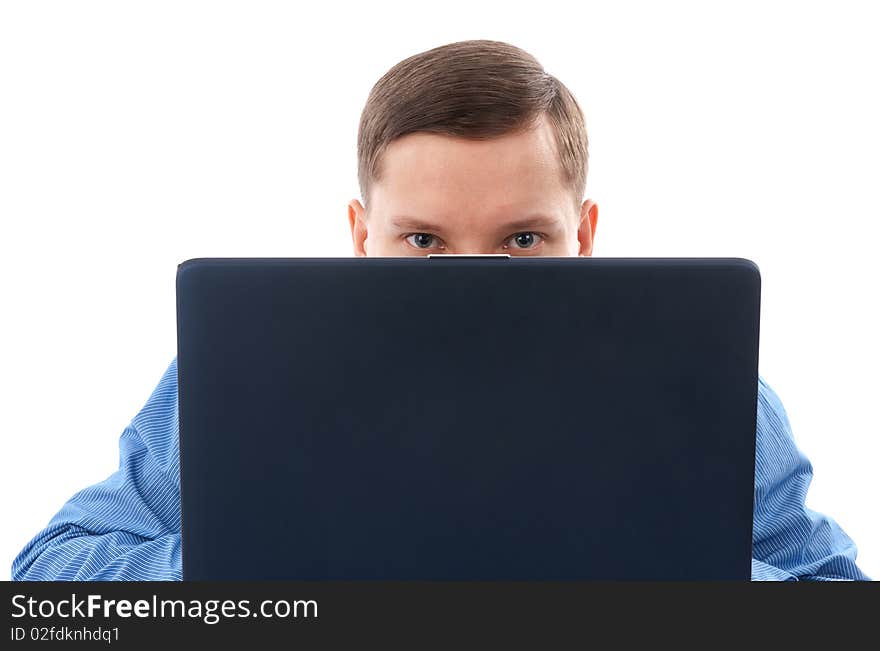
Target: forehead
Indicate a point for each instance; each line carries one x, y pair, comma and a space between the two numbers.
444, 176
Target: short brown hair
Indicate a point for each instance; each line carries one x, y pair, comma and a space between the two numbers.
473, 89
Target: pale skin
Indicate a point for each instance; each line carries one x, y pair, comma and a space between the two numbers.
442, 194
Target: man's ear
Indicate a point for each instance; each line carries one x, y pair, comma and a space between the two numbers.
358, 226
587, 227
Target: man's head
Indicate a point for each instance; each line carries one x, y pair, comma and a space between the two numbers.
472, 148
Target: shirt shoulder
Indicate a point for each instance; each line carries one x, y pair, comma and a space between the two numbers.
775, 441
157, 423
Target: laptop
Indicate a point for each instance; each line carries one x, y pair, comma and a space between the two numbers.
467, 417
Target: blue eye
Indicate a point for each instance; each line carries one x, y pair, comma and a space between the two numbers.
421, 240
526, 240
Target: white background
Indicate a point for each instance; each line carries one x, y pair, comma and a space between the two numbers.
136, 135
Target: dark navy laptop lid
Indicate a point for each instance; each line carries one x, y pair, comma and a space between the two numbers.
467, 417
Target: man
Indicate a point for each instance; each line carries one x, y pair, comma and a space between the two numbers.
466, 148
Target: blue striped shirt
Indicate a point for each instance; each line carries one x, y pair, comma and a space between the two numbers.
127, 527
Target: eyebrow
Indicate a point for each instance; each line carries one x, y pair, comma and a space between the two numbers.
533, 221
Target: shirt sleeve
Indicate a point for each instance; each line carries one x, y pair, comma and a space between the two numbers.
126, 527
791, 542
